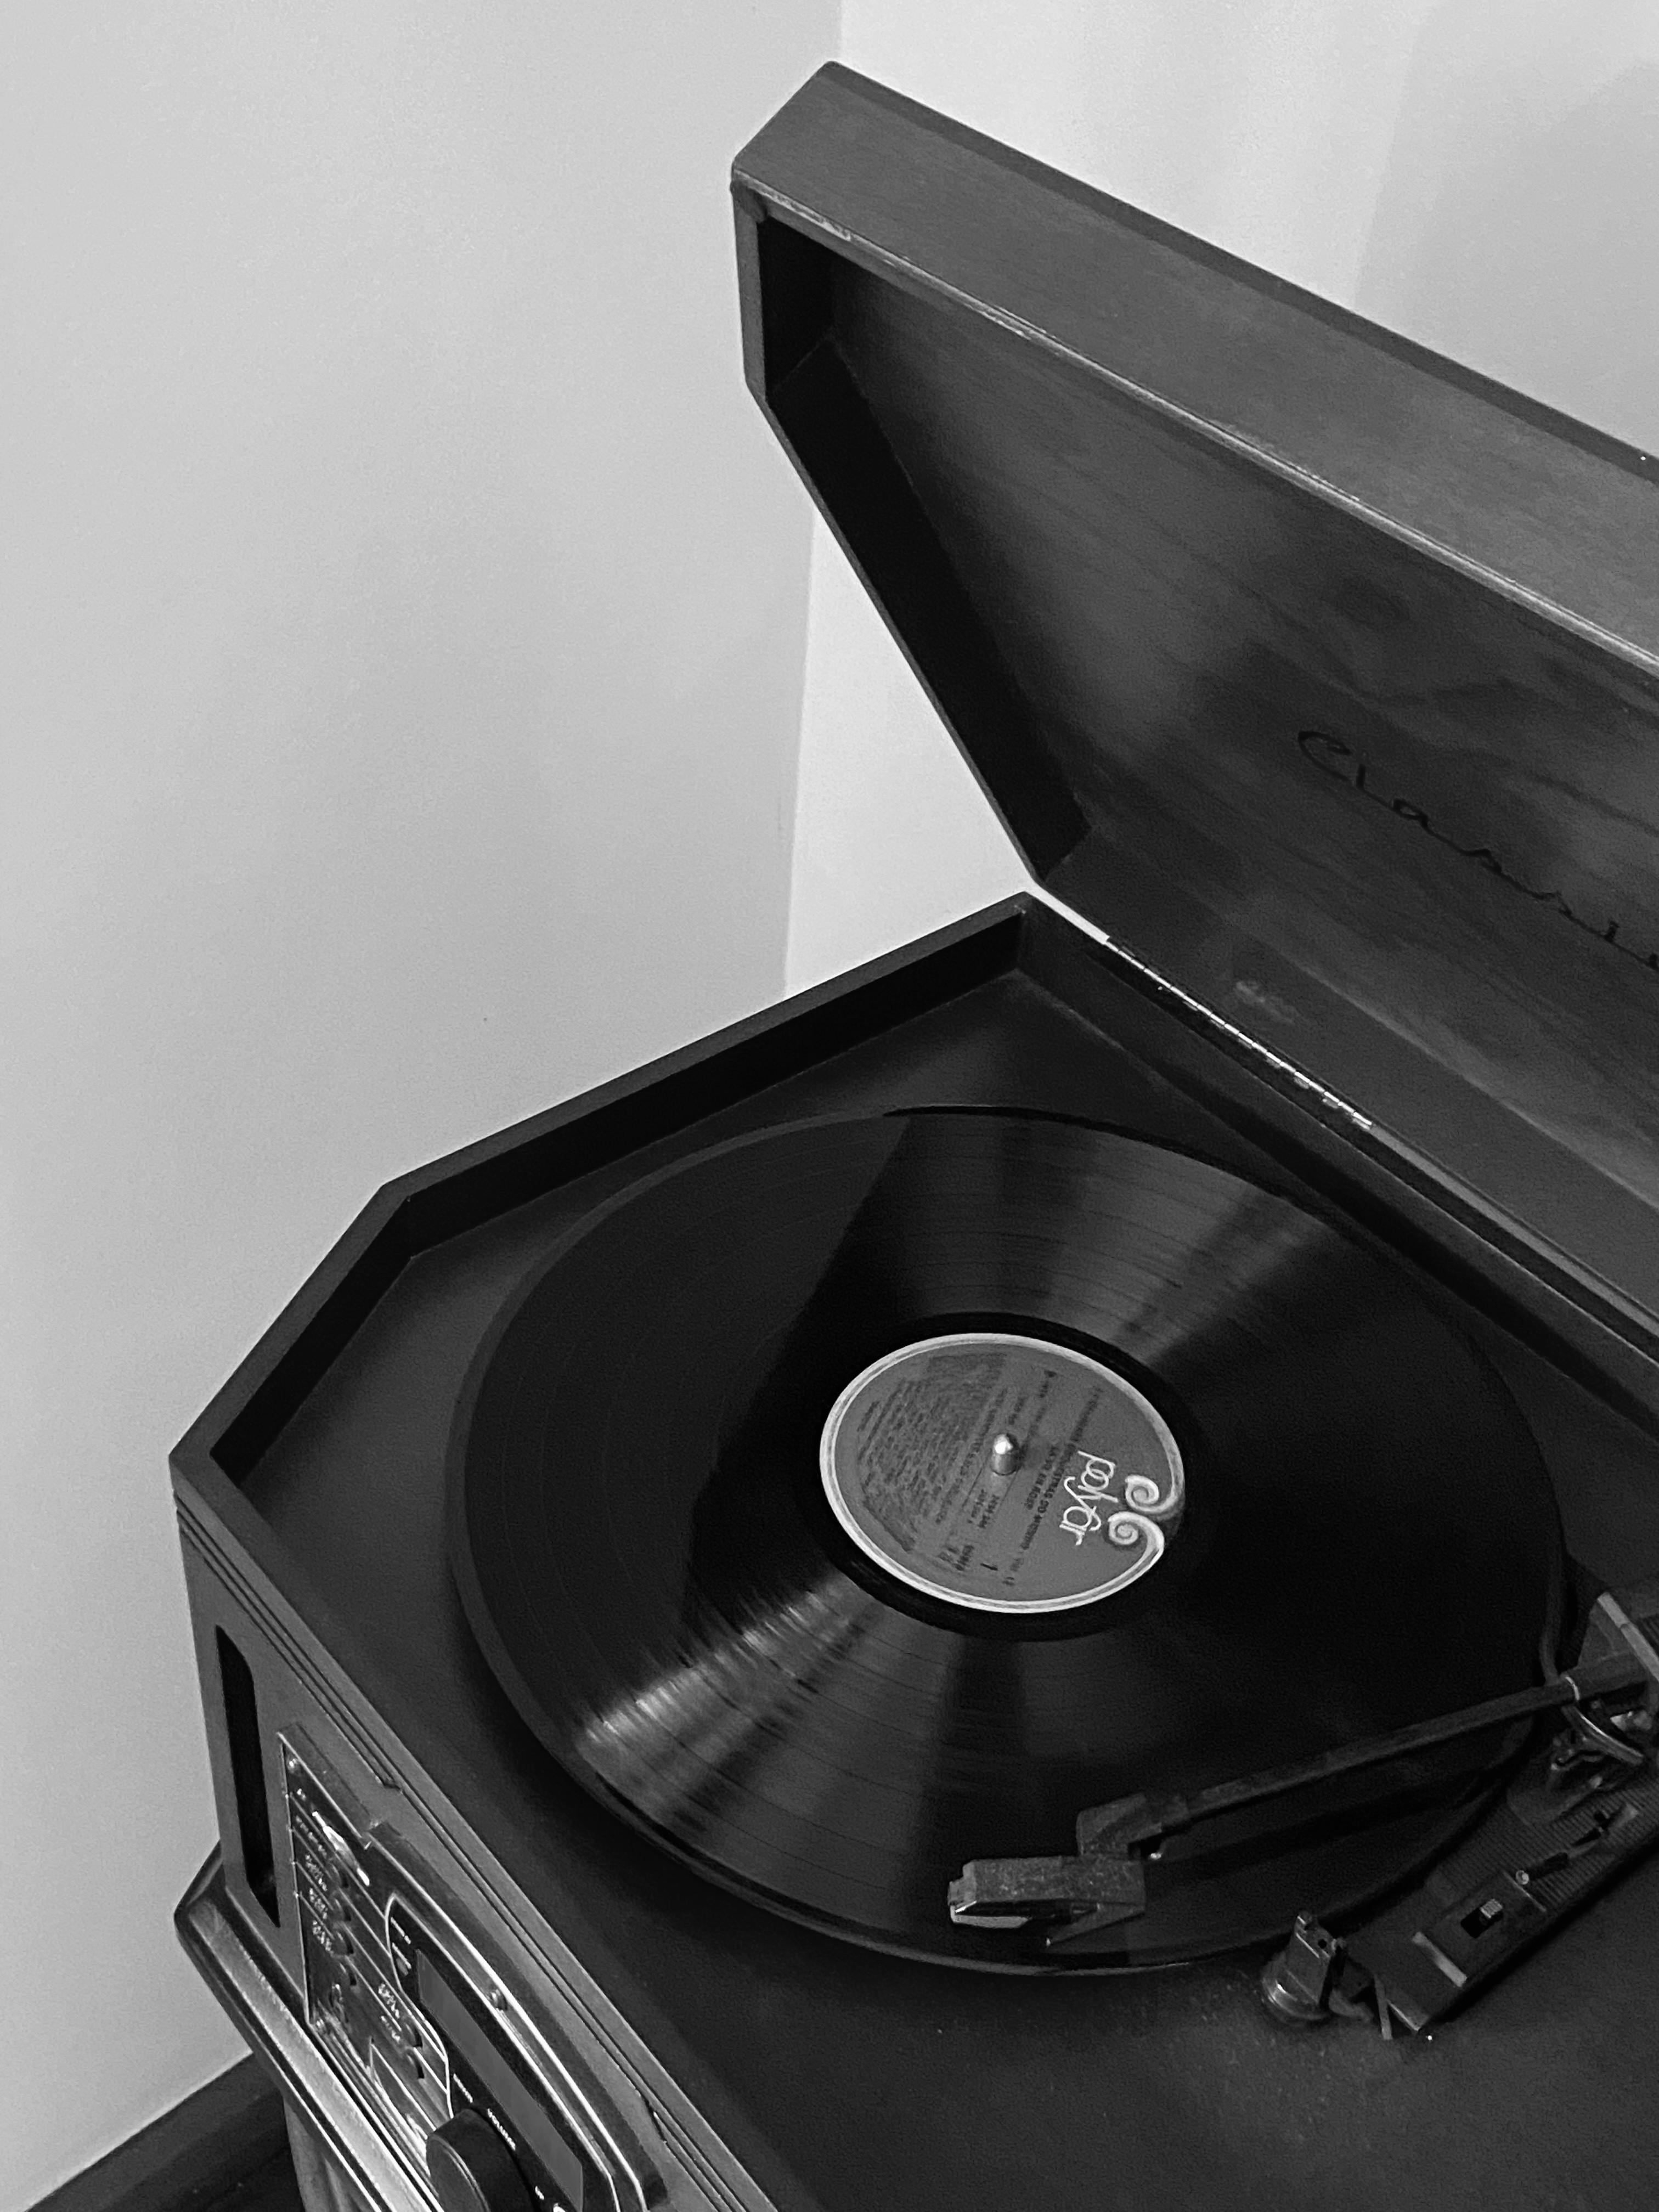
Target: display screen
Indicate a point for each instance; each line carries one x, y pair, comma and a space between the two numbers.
499, 2074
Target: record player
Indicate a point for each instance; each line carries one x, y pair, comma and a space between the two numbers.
1317, 682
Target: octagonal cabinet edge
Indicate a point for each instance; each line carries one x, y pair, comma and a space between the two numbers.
513, 1166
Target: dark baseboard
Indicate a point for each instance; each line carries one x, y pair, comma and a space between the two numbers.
192, 2157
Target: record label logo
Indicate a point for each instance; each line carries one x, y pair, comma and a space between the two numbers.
1003, 1473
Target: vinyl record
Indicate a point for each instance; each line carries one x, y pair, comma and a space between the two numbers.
866, 1497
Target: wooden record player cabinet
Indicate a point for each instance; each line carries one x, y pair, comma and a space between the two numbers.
1318, 681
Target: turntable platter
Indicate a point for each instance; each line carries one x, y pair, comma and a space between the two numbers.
868, 1496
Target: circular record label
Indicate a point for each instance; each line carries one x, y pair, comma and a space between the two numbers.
1002, 1472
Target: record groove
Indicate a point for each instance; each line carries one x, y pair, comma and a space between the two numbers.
648, 1553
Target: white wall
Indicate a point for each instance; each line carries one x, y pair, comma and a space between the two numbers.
402, 608
1480, 174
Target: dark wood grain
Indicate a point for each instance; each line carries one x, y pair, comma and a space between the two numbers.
980, 367
971, 2091
1346, 656
1543, 508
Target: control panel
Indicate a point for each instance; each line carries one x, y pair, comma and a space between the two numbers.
465, 2081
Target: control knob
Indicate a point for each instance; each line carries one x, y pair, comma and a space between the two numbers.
472, 2169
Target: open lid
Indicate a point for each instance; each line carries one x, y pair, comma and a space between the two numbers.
1319, 674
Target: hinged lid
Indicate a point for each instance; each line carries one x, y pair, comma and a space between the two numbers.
1319, 673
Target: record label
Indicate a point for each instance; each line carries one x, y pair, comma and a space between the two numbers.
1004, 1473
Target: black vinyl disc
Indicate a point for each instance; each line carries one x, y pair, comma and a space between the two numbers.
866, 1497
